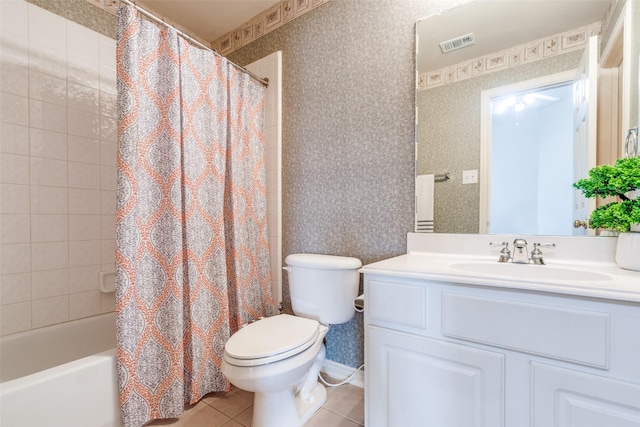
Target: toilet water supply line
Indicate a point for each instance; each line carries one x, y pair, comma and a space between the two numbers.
343, 382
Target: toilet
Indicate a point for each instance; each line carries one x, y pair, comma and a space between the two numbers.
279, 358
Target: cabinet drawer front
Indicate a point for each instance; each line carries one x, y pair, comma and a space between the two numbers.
577, 336
398, 303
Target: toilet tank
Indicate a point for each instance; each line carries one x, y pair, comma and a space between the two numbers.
323, 287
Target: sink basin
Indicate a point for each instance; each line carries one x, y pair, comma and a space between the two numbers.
530, 271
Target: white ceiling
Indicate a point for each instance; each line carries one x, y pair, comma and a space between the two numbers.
498, 25
206, 20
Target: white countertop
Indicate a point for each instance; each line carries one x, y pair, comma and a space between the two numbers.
612, 282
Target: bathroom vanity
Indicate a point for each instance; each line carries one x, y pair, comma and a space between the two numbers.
453, 338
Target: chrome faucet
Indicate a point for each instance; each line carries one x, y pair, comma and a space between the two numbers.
520, 251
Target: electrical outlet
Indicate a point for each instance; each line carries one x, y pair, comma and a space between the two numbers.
470, 176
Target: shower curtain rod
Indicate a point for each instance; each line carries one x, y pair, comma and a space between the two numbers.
262, 81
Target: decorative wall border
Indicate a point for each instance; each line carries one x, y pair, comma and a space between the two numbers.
109, 5
263, 23
535, 50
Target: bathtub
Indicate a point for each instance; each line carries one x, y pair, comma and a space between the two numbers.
62, 375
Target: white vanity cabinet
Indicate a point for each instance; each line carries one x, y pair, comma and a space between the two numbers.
450, 354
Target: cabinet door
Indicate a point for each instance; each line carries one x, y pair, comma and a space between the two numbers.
415, 381
566, 398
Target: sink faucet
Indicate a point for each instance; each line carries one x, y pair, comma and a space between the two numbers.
520, 251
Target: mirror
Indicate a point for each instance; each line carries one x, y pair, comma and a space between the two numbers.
508, 42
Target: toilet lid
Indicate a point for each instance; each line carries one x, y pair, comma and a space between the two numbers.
271, 339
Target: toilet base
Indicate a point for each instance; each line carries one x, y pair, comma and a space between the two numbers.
283, 409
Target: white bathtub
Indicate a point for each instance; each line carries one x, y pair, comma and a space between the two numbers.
62, 375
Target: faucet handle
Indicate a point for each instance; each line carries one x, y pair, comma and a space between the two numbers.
505, 255
536, 253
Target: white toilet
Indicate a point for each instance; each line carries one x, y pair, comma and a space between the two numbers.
279, 358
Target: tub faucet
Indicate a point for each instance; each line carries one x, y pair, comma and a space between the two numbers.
520, 251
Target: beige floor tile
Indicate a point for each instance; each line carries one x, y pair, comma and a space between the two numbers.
245, 417
325, 418
200, 415
233, 423
231, 403
349, 402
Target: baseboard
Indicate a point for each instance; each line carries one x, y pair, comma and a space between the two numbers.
340, 372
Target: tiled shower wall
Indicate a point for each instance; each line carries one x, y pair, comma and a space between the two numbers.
58, 175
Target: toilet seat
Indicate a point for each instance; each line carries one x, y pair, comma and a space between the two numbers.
270, 340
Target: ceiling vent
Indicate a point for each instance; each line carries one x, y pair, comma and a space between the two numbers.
458, 43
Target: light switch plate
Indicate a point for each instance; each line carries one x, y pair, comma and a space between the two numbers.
470, 176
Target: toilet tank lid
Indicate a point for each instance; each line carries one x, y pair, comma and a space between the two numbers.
329, 262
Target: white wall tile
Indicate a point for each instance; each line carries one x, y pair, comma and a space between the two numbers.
83, 72
108, 252
15, 288
14, 79
84, 304
108, 80
85, 278
83, 202
108, 178
49, 200
50, 172
47, 28
108, 302
14, 198
49, 228
15, 258
84, 175
108, 154
49, 144
108, 106
14, 228
47, 88
14, 109
49, 256
84, 252
84, 98
107, 52
83, 42
15, 318
14, 49
84, 227
84, 150
14, 139
107, 202
46, 60
85, 124
108, 129
14, 18
14, 169
49, 311
50, 283
44, 115
108, 227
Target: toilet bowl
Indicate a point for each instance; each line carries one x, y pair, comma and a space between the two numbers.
279, 358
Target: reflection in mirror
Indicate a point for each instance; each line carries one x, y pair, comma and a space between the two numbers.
511, 46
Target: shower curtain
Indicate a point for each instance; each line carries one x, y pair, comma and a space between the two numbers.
192, 256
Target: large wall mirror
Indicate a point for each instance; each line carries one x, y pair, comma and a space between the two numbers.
528, 96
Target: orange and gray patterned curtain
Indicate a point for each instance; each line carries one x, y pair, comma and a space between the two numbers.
192, 255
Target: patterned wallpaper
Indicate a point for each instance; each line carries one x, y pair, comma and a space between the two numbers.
348, 134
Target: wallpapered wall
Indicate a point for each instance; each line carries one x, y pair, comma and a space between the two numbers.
348, 134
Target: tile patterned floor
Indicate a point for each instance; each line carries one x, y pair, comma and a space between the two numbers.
344, 408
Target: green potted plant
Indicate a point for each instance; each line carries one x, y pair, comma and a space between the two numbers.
621, 180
